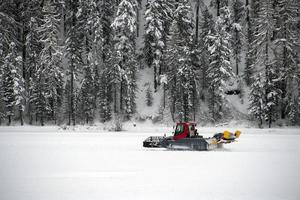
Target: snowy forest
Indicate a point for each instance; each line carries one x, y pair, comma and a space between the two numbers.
82, 61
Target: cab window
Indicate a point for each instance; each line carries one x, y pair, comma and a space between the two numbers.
179, 129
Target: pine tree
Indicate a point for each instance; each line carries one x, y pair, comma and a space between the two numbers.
105, 96
237, 35
154, 43
286, 51
272, 93
74, 49
87, 96
50, 58
199, 6
220, 69
8, 29
8, 34
124, 27
8, 92
107, 11
95, 52
2, 112
38, 98
206, 27
181, 76
294, 110
158, 15
183, 16
250, 59
13, 84
262, 44
33, 48
257, 100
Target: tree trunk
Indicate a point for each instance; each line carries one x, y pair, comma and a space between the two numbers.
137, 21
30, 114
283, 83
218, 7
155, 82
21, 117
247, 14
121, 96
194, 104
197, 22
72, 77
236, 57
42, 119
24, 51
64, 22
213, 104
164, 97
260, 122
9, 120
249, 34
268, 81
72, 95
115, 98
55, 118
69, 116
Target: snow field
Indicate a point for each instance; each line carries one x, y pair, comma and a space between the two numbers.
47, 163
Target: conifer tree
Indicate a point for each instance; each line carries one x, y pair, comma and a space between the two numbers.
154, 43
38, 98
250, 58
13, 84
50, 58
286, 51
87, 96
2, 114
74, 49
107, 11
8, 92
262, 44
95, 51
220, 69
33, 48
237, 35
158, 16
294, 109
8, 29
257, 100
124, 27
206, 27
105, 96
182, 77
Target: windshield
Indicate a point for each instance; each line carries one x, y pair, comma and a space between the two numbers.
179, 129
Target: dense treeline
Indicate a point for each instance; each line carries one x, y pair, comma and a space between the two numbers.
75, 61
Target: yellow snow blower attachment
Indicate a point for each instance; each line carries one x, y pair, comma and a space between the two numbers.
228, 137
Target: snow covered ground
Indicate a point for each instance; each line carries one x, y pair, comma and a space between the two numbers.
50, 164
